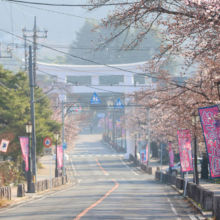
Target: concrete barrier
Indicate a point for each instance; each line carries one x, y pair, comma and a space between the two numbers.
198, 193
207, 200
173, 180
21, 190
216, 207
150, 170
193, 191
179, 183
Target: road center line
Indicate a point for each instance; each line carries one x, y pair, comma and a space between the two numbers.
97, 202
101, 167
128, 167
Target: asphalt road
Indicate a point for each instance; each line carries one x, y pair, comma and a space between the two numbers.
108, 188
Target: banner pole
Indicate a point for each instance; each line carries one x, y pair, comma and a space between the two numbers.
161, 155
50, 175
184, 194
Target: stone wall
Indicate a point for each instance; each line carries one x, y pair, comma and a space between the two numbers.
146, 169
5, 192
42, 185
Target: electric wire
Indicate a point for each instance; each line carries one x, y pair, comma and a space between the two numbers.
71, 55
43, 9
72, 5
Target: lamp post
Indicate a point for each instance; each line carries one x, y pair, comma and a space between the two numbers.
28, 126
56, 136
195, 120
169, 142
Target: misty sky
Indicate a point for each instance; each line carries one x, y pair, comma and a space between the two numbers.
61, 28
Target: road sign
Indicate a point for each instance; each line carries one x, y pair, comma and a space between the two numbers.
95, 99
47, 141
47, 151
119, 104
64, 146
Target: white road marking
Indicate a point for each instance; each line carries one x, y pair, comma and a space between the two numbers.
105, 155
192, 217
25, 203
173, 209
97, 155
128, 167
75, 173
135, 218
113, 155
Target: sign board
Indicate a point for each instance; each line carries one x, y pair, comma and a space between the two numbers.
64, 146
211, 127
101, 115
4, 145
47, 151
185, 150
143, 157
119, 105
47, 142
95, 99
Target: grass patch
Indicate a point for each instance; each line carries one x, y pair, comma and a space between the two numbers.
3, 203
40, 166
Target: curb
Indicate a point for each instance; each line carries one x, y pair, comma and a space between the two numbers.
28, 196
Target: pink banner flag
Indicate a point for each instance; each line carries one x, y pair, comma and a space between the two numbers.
210, 127
25, 150
147, 153
185, 150
59, 157
4, 145
171, 155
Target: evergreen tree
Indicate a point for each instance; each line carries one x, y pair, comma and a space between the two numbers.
87, 41
15, 111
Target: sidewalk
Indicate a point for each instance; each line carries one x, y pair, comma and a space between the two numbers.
42, 174
207, 184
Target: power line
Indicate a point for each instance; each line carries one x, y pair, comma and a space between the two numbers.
43, 9
70, 5
113, 67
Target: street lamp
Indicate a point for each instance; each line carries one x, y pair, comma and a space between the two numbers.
195, 120
56, 136
135, 152
28, 126
169, 139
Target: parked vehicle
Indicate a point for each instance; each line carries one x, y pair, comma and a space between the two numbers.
177, 167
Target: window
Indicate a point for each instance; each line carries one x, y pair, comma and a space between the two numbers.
139, 79
108, 80
81, 80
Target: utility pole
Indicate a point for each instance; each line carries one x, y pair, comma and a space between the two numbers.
63, 138
148, 133
33, 140
34, 34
